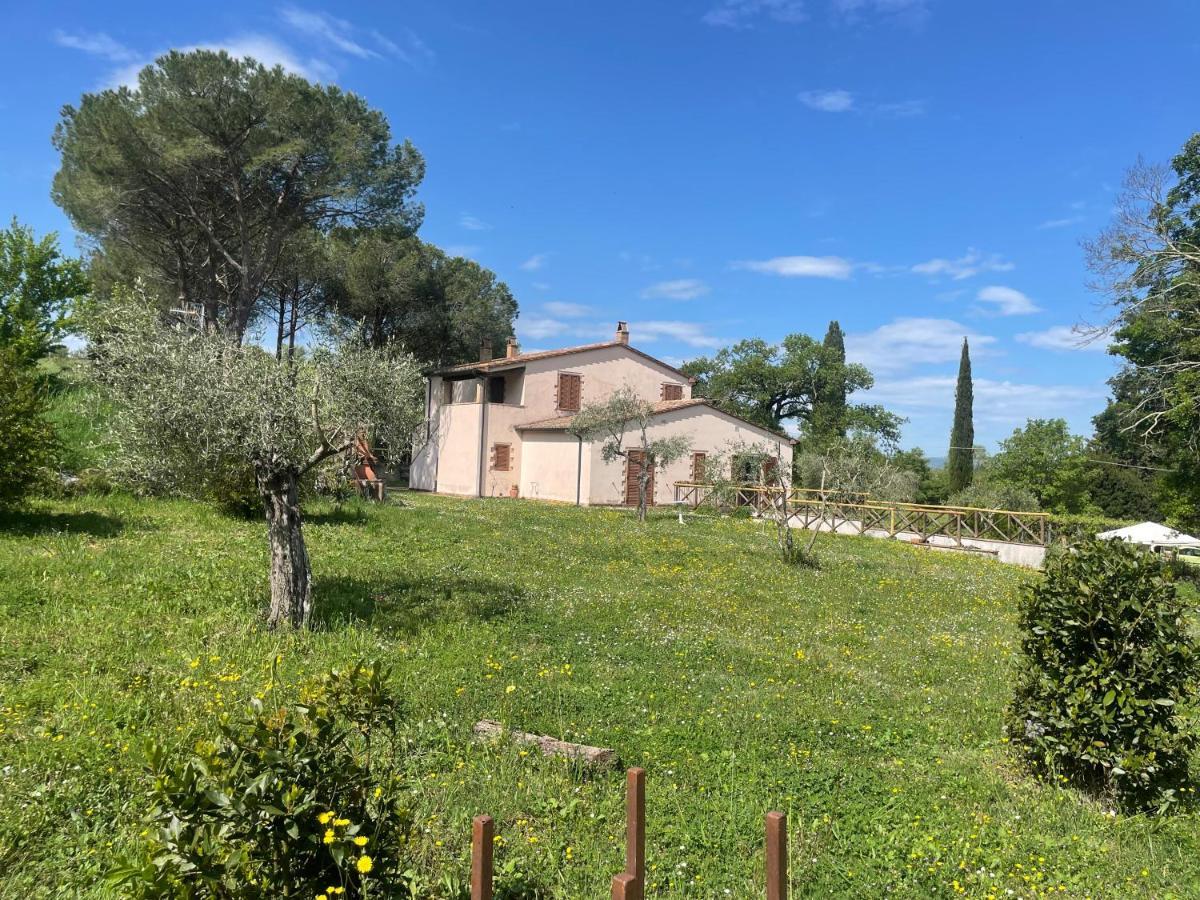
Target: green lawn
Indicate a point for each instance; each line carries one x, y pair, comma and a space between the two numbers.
864, 698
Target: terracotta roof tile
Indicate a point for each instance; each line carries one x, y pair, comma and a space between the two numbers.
508, 362
563, 423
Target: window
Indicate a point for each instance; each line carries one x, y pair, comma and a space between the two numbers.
698, 468
672, 391
501, 457
570, 392
447, 391
496, 389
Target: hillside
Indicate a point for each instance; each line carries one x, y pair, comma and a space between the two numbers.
864, 698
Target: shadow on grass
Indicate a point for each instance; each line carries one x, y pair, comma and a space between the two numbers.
353, 514
405, 605
29, 522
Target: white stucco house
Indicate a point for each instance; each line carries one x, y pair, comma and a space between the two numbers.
501, 427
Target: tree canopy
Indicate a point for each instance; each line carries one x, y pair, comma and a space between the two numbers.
776, 384
37, 288
201, 177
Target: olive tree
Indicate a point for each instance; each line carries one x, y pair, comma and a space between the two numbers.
192, 405
622, 423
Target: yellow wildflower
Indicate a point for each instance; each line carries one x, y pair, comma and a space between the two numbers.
324, 818
360, 841
330, 837
364, 864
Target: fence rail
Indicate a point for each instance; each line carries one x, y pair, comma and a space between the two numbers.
630, 884
858, 514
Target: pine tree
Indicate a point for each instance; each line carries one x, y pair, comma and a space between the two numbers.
829, 398
960, 462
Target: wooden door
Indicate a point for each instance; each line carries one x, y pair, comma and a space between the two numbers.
633, 468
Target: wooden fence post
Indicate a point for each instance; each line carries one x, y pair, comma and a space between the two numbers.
635, 831
624, 887
482, 830
777, 859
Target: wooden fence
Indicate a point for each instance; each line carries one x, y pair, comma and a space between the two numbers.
630, 884
858, 514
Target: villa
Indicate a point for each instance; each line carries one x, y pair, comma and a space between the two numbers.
501, 427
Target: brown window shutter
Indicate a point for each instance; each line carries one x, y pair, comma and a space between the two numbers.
501, 457
698, 468
569, 392
672, 391
769, 467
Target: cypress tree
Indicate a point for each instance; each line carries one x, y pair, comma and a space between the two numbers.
960, 462
829, 396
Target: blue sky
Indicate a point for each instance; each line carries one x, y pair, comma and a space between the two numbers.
712, 170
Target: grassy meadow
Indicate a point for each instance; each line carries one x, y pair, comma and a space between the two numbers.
864, 697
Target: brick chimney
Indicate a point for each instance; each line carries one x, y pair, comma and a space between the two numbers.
513, 348
622, 332
485, 350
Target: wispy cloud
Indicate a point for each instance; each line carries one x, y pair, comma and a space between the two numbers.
324, 27
743, 13
1065, 222
835, 101
690, 333
966, 266
535, 262
1003, 402
679, 289
903, 109
408, 48
472, 223
461, 249
96, 43
1007, 301
906, 12
567, 310
799, 266
909, 342
1065, 337
540, 327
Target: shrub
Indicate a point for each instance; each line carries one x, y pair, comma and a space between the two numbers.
27, 443
987, 494
1106, 662
288, 801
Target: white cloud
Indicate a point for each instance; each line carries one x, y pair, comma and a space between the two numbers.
567, 310
1065, 337
679, 289
95, 43
321, 26
539, 327
910, 12
1066, 222
689, 333
800, 266
741, 13
902, 109
409, 49
906, 343
472, 223
995, 401
828, 101
1008, 301
967, 266
461, 249
265, 49
535, 262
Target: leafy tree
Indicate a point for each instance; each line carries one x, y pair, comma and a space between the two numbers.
622, 423
829, 407
773, 384
396, 288
960, 463
192, 407
27, 441
855, 466
1147, 262
1046, 459
1107, 659
37, 288
203, 176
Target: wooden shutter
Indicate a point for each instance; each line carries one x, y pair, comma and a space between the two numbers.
633, 468
698, 468
769, 467
501, 457
672, 391
570, 392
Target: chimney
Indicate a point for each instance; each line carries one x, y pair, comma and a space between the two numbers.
513, 348
622, 333
485, 350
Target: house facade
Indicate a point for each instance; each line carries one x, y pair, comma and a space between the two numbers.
501, 427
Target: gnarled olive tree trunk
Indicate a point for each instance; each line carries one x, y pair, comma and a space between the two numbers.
291, 574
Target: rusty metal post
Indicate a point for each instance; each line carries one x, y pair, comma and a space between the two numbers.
635, 830
777, 858
482, 831
624, 887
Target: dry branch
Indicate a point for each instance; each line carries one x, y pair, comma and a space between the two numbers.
595, 757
